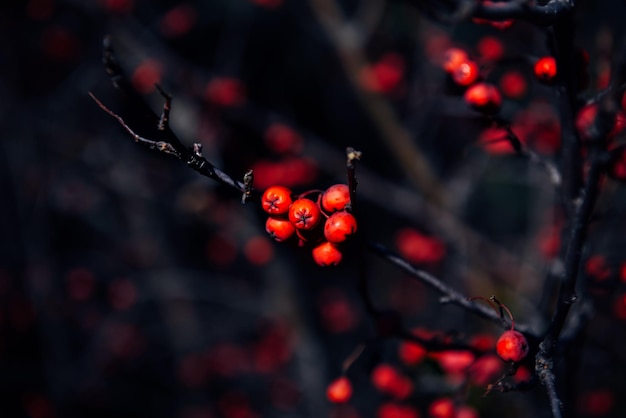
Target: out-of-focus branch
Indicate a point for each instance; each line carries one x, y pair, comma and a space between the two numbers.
350, 52
524, 9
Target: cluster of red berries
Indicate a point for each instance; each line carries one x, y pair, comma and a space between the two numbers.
481, 95
301, 216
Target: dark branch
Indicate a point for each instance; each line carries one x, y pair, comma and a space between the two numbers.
524, 10
352, 156
449, 295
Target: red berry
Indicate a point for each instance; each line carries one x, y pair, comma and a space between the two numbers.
339, 390
453, 57
335, 198
339, 226
466, 73
617, 165
392, 410
441, 408
276, 200
513, 84
327, 254
454, 361
490, 48
483, 97
411, 353
545, 69
388, 380
304, 214
280, 229
512, 346
225, 91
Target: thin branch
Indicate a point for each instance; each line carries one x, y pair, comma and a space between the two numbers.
352, 156
450, 295
165, 114
156, 145
521, 149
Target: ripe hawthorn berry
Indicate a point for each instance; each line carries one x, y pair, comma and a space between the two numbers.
484, 97
339, 390
545, 69
339, 226
279, 228
276, 200
327, 254
512, 346
335, 198
304, 214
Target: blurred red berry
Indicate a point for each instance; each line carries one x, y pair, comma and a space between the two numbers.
596, 267
146, 75
545, 69
441, 408
282, 139
513, 84
453, 58
490, 48
225, 91
494, 141
418, 248
178, 21
484, 97
485, 370
454, 361
411, 353
339, 390
466, 73
258, 250
393, 410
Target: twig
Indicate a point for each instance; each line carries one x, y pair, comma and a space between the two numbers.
352, 156
162, 146
521, 149
173, 146
450, 295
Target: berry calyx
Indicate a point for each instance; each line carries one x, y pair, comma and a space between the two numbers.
335, 198
279, 229
545, 69
276, 200
512, 346
484, 97
327, 254
339, 226
304, 214
339, 390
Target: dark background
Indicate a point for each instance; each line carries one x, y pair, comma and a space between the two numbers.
131, 286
